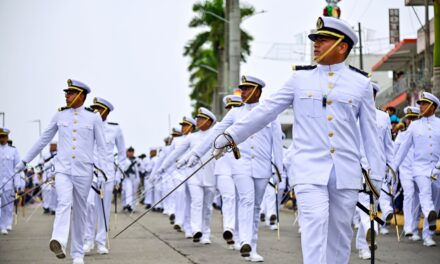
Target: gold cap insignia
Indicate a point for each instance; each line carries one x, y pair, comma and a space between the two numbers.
243, 78
69, 82
319, 23
409, 111
228, 100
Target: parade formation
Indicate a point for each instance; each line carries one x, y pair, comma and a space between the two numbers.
342, 174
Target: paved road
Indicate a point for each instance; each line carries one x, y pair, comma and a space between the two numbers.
154, 241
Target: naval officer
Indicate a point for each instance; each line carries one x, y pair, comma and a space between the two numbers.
79, 129
329, 100
96, 228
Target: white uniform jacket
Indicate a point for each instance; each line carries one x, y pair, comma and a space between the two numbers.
9, 157
325, 137
78, 130
257, 151
113, 138
424, 136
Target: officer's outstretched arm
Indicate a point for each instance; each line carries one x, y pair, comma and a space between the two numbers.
264, 113
45, 138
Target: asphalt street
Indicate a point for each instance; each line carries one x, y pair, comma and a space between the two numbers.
153, 240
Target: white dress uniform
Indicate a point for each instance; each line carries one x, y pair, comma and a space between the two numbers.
424, 136
148, 186
48, 192
410, 193
130, 182
252, 171
327, 102
383, 124
9, 158
78, 131
181, 195
95, 226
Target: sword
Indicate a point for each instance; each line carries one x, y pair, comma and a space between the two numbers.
275, 186
166, 196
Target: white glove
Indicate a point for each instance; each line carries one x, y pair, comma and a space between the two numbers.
219, 145
180, 163
20, 167
193, 161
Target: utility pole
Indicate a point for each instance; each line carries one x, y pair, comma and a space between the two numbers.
234, 43
428, 66
436, 61
3, 115
361, 58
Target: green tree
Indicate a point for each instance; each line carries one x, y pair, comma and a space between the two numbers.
206, 50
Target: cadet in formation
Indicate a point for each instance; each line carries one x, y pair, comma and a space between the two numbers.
332, 104
79, 130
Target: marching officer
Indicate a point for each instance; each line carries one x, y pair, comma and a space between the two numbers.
252, 171
79, 129
9, 180
226, 186
386, 155
49, 193
424, 136
95, 212
410, 195
329, 101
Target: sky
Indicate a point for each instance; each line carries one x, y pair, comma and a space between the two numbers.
130, 53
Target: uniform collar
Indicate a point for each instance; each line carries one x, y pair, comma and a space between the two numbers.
333, 67
429, 119
79, 109
251, 106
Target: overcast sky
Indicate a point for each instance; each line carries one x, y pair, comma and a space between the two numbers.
130, 52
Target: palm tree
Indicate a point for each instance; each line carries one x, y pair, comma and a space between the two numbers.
206, 50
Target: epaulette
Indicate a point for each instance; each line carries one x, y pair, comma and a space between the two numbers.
91, 109
366, 74
112, 123
303, 67
63, 108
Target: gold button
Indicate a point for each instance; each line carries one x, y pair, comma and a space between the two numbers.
74, 139
309, 94
253, 156
74, 130
430, 145
73, 156
330, 73
332, 150
429, 136
330, 134
330, 85
76, 113
429, 129
430, 153
329, 102
329, 118
252, 147
75, 121
350, 101
73, 147
252, 137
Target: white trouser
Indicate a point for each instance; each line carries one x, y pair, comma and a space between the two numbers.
385, 201
72, 192
226, 186
201, 208
6, 217
135, 181
250, 194
158, 193
410, 204
268, 206
53, 203
183, 207
364, 221
425, 194
46, 193
169, 203
95, 213
435, 187
129, 195
148, 191
325, 217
